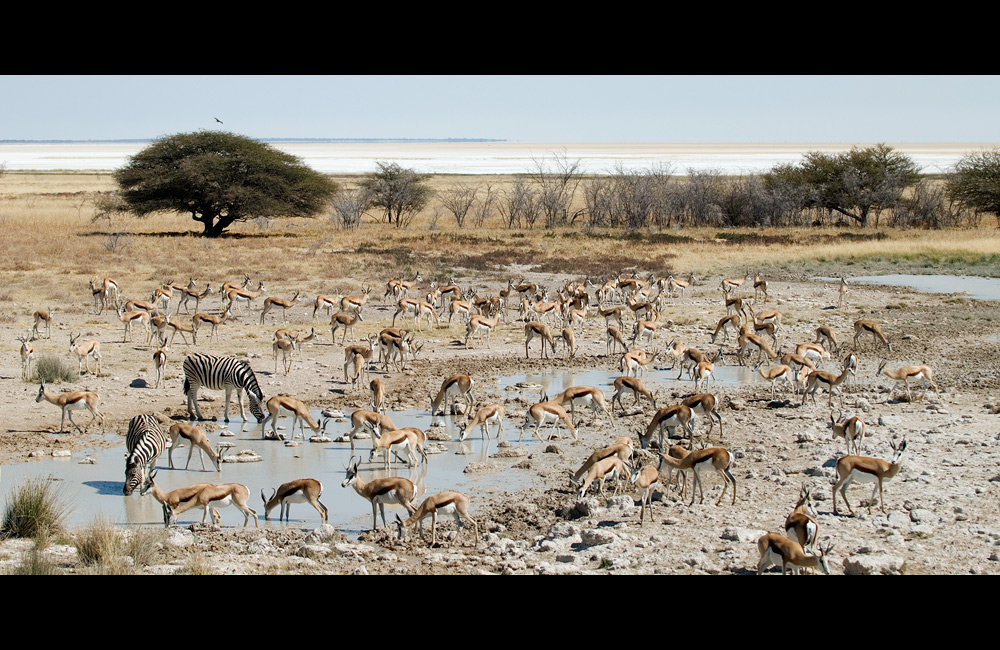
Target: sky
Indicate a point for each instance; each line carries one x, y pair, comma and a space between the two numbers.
544, 108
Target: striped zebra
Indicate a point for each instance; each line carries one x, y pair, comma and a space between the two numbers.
221, 373
145, 442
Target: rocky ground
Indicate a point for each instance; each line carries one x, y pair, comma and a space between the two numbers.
941, 510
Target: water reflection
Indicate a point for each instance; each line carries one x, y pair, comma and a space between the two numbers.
94, 489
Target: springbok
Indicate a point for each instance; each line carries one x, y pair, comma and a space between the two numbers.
216, 496
69, 402
491, 413
196, 439
776, 549
546, 411
303, 490
381, 491
867, 470
449, 502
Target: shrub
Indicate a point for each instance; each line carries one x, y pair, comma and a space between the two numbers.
113, 550
34, 563
98, 542
52, 369
34, 509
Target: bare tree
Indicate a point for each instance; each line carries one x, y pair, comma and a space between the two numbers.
557, 186
483, 208
520, 205
348, 206
702, 195
458, 201
599, 198
928, 206
639, 194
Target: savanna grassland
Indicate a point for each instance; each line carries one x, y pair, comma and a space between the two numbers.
941, 509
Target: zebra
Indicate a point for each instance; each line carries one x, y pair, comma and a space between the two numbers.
221, 373
145, 442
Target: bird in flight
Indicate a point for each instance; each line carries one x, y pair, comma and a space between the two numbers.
218, 120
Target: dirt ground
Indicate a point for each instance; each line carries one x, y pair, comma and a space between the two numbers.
942, 509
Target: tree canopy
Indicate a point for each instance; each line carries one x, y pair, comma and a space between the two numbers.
220, 178
401, 193
857, 184
976, 182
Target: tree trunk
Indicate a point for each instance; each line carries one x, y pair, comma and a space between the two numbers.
214, 225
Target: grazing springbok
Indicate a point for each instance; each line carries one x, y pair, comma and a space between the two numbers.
303, 490
491, 413
623, 448
535, 329
216, 496
546, 411
174, 498
586, 396
449, 502
668, 418
775, 374
461, 383
705, 404
300, 415
196, 439
633, 385
605, 469
873, 328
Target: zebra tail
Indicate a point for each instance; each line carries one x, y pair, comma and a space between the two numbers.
187, 386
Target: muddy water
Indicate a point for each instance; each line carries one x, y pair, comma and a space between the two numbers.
95, 489
972, 286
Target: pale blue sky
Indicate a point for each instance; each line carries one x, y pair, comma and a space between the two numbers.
516, 108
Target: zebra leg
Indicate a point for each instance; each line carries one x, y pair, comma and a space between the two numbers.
194, 413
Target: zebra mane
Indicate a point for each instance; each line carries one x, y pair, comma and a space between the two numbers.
253, 388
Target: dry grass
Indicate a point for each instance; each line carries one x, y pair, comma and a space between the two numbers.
53, 247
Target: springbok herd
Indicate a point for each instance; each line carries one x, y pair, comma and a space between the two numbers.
624, 310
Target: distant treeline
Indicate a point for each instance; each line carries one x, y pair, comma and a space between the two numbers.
271, 140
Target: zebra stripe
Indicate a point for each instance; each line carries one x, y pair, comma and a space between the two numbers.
221, 373
145, 442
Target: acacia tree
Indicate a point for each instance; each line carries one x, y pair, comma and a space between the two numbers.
976, 182
400, 193
858, 184
220, 178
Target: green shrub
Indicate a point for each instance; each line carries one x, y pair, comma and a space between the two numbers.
51, 369
35, 509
